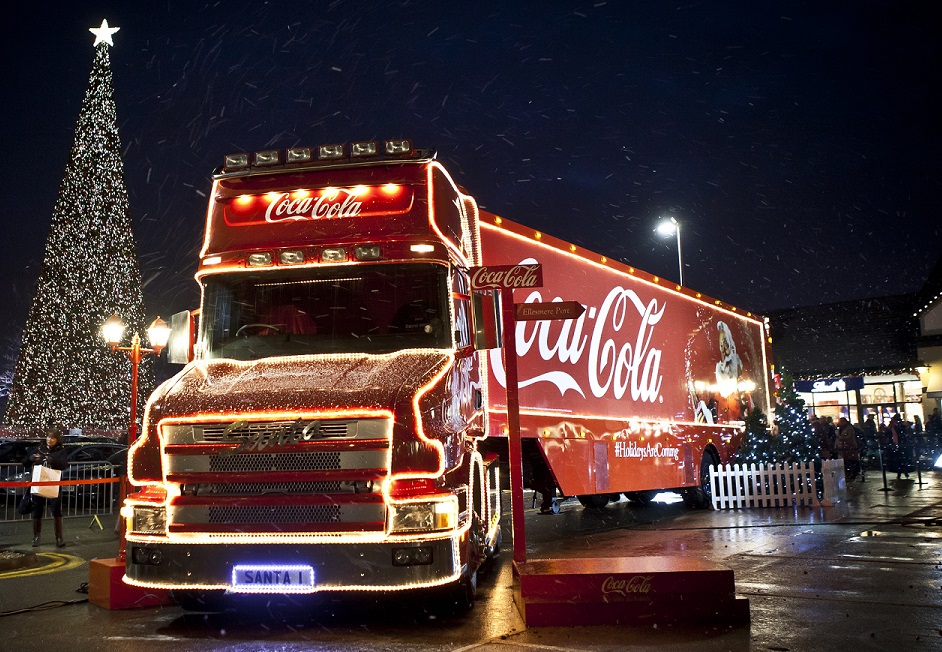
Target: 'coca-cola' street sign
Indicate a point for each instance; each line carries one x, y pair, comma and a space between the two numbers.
506, 277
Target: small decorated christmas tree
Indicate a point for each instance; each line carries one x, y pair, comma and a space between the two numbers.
798, 443
760, 445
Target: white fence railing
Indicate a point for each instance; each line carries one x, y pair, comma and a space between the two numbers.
81, 495
738, 486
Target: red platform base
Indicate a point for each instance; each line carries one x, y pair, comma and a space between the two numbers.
107, 589
627, 591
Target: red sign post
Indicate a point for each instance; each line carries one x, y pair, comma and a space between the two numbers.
507, 278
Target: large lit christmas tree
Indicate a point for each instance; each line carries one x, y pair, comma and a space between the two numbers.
65, 374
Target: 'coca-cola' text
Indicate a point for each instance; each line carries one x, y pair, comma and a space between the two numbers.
617, 357
342, 203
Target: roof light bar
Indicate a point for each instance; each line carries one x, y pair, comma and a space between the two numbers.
368, 148
268, 157
330, 152
299, 155
234, 161
403, 146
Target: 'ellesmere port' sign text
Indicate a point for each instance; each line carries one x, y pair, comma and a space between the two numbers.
551, 310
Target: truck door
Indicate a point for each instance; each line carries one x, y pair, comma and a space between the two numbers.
466, 380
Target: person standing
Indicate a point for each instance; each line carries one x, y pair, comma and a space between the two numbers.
847, 449
819, 428
49, 453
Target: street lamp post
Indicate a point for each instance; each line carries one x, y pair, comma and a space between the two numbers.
670, 226
157, 333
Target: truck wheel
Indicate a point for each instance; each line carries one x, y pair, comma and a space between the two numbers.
701, 497
594, 501
465, 591
642, 498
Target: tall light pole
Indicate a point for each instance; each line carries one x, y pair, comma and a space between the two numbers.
157, 333
670, 226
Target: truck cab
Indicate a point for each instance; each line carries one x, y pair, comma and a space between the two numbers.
323, 433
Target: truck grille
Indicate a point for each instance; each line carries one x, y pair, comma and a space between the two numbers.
330, 482
274, 462
277, 488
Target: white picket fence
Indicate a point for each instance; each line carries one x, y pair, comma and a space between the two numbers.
738, 486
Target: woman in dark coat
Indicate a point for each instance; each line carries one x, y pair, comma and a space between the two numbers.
49, 453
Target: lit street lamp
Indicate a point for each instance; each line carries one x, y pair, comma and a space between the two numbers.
670, 226
157, 333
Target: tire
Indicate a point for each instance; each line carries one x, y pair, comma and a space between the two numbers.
701, 497
465, 591
642, 498
594, 501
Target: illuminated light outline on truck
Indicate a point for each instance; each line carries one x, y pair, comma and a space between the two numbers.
492, 524
462, 211
353, 413
456, 564
615, 265
349, 413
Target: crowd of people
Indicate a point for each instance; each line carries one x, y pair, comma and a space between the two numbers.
897, 443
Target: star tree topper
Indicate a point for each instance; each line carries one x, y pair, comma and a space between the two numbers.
103, 33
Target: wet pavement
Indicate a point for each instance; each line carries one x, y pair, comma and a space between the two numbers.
865, 574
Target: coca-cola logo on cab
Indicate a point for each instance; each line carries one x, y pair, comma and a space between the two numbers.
335, 203
507, 277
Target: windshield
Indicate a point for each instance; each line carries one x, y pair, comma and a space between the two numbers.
349, 309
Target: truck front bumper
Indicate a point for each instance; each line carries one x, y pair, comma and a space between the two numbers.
336, 566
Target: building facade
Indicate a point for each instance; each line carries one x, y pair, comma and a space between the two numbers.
861, 358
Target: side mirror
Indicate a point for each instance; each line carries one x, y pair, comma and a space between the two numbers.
485, 321
182, 337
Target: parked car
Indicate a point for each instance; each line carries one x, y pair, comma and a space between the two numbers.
15, 451
13, 455
84, 439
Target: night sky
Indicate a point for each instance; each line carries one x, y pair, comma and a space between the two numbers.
796, 142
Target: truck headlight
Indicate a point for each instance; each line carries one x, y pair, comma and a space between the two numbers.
147, 520
423, 516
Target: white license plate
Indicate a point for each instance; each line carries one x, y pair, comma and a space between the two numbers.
272, 578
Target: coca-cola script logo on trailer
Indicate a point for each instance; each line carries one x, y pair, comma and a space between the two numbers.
339, 202
507, 277
617, 358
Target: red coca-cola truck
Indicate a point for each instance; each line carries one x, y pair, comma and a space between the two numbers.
338, 419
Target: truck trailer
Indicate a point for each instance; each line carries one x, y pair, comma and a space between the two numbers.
341, 414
